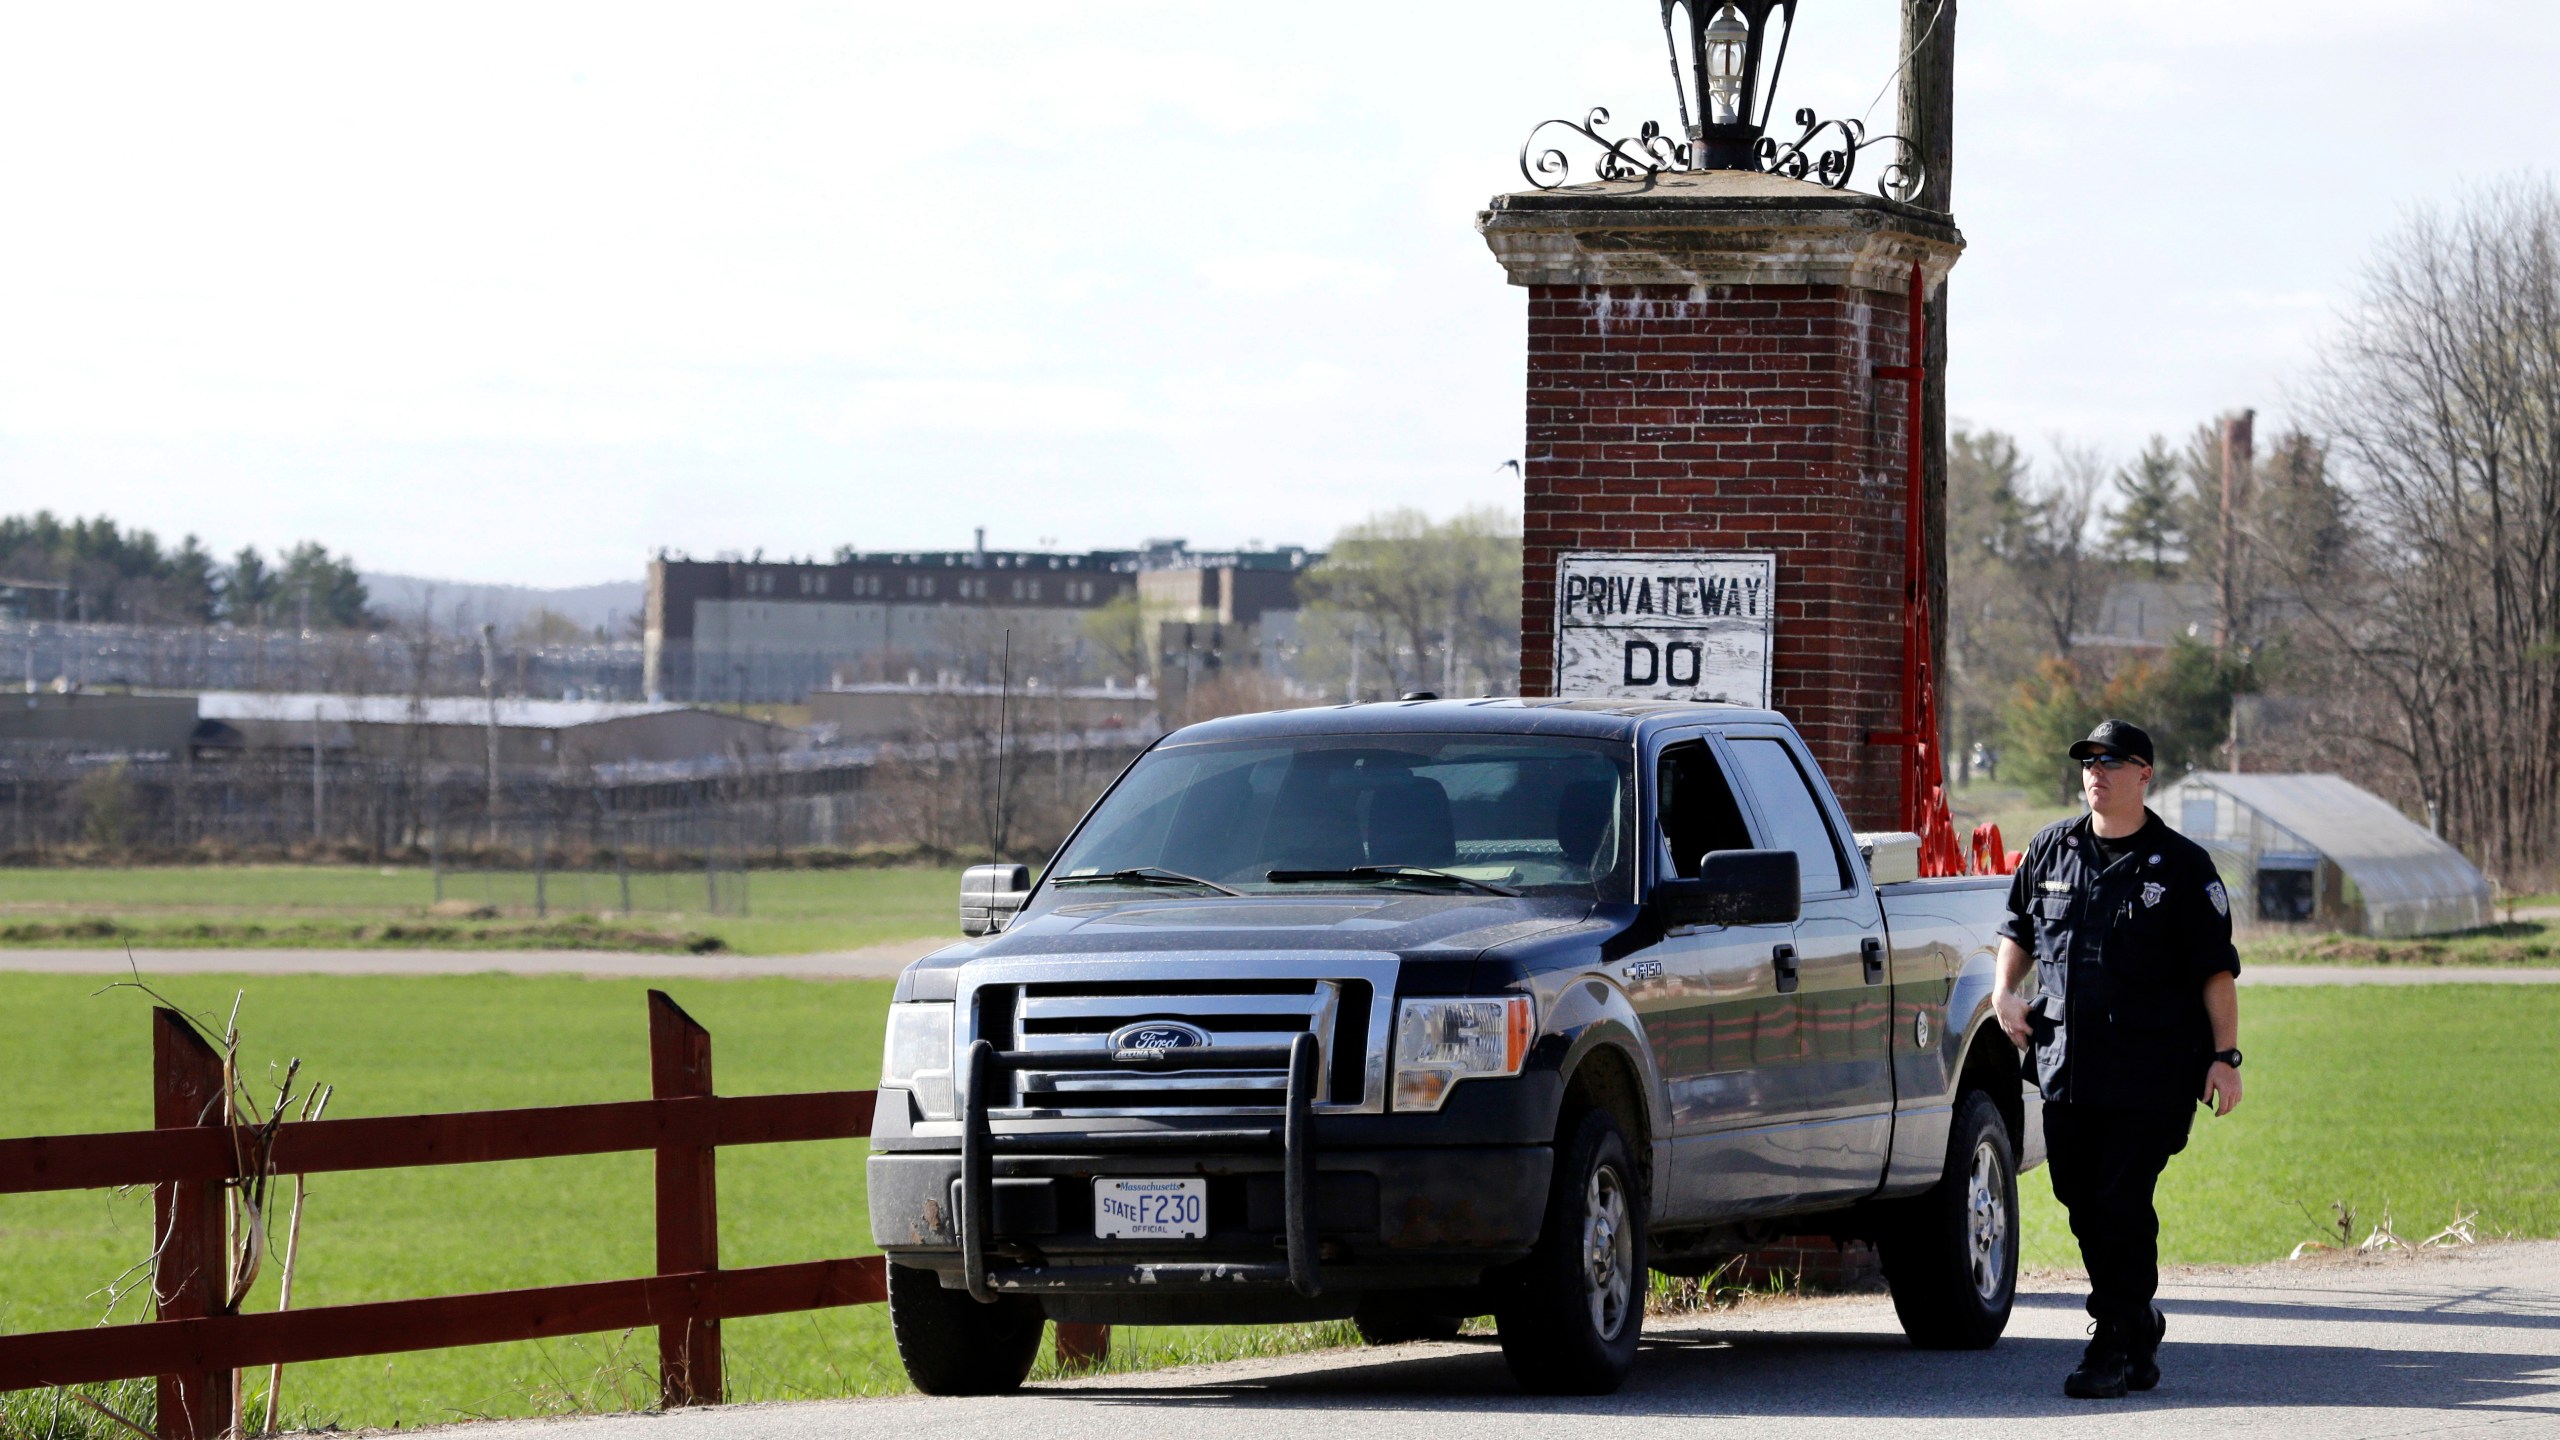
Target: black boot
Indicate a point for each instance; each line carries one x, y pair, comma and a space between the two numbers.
2101, 1375
2142, 1358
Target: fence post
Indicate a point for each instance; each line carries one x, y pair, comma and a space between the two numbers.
622, 861
1082, 1347
688, 1208
191, 1261
541, 889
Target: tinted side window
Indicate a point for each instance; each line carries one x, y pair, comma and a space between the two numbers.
1698, 813
1795, 819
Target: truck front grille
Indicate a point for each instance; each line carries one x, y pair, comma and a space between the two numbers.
1068, 1017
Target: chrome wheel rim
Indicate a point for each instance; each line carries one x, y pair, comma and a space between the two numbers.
1987, 1224
1608, 1252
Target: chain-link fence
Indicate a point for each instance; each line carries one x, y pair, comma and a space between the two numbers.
541, 865
718, 816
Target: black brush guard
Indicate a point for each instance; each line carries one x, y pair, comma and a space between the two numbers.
987, 1067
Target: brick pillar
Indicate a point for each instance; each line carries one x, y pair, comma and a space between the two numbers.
1701, 377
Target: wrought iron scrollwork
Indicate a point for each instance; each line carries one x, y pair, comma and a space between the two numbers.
1826, 154
1833, 162
1643, 155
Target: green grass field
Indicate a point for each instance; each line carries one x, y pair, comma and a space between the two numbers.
2422, 1102
2018, 811
395, 1046
2519, 942
340, 906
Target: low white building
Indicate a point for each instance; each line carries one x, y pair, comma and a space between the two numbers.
2321, 850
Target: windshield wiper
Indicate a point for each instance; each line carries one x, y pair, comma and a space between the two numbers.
1144, 875
1422, 874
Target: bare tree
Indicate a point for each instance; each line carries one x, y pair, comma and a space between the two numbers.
1423, 604
2059, 569
2441, 398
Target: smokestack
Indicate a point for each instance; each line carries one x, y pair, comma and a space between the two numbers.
980, 560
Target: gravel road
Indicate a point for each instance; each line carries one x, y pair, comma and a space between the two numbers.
2450, 1343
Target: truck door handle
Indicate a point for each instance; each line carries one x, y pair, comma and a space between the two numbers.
1871, 950
1785, 955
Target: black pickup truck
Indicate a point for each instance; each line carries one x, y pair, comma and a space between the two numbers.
1419, 1011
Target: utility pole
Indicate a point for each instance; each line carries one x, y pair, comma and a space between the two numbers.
1928, 121
2239, 450
316, 831
489, 696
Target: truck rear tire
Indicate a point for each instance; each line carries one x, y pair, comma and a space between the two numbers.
1573, 1314
1392, 1319
953, 1345
1952, 1255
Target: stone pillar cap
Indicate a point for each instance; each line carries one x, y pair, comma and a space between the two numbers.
1716, 227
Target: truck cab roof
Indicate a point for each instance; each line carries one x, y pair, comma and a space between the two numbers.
1501, 715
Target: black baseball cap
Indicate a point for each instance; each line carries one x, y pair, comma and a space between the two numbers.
2115, 737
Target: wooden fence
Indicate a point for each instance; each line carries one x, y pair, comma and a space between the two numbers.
195, 1347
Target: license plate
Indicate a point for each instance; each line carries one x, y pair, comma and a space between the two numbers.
1150, 1209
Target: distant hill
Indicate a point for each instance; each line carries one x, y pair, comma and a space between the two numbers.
611, 605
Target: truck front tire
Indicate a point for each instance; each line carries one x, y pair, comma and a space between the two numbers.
1952, 1254
953, 1345
1573, 1314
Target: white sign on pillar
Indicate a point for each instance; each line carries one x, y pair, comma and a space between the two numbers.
1665, 625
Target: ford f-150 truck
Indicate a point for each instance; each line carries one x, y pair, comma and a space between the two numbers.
1418, 1011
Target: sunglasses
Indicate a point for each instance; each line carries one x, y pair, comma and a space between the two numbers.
2108, 763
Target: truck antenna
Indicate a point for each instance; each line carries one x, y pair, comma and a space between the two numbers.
1004, 706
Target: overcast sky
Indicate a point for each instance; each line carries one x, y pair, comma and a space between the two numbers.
523, 292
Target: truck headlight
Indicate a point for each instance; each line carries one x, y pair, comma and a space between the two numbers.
917, 1057
1441, 1042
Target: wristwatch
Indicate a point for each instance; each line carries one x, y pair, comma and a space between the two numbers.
2228, 1057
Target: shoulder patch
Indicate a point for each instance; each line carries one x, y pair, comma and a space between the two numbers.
2221, 901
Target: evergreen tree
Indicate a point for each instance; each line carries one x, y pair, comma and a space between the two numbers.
196, 581
248, 588
322, 590
111, 573
2151, 521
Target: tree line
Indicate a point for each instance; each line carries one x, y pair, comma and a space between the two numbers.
97, 570
2373, 590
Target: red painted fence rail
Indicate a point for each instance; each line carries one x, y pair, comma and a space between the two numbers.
195, 1348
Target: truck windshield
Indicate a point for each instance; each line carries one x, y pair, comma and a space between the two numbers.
1449, 814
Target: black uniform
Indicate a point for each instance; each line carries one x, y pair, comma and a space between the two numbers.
2124, 933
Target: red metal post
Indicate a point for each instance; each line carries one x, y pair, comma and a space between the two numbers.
688, 1208
192, 1257
1082, 1347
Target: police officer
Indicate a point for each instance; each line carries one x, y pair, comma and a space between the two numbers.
2134, 1017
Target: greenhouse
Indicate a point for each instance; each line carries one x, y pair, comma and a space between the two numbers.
2319, 850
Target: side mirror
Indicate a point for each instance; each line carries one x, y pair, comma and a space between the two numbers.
1735, 887
991, 895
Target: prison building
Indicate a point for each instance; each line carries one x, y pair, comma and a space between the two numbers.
2319, 850
759, 630
457, 730
108, 724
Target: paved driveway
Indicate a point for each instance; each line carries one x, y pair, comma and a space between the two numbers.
2456, 1343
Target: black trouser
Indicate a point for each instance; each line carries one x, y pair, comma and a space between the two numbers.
2105, 1163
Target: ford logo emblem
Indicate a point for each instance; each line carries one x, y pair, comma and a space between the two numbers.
1150, 1038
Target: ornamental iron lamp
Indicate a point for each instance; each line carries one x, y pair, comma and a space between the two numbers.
1721, 105
1727, 93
